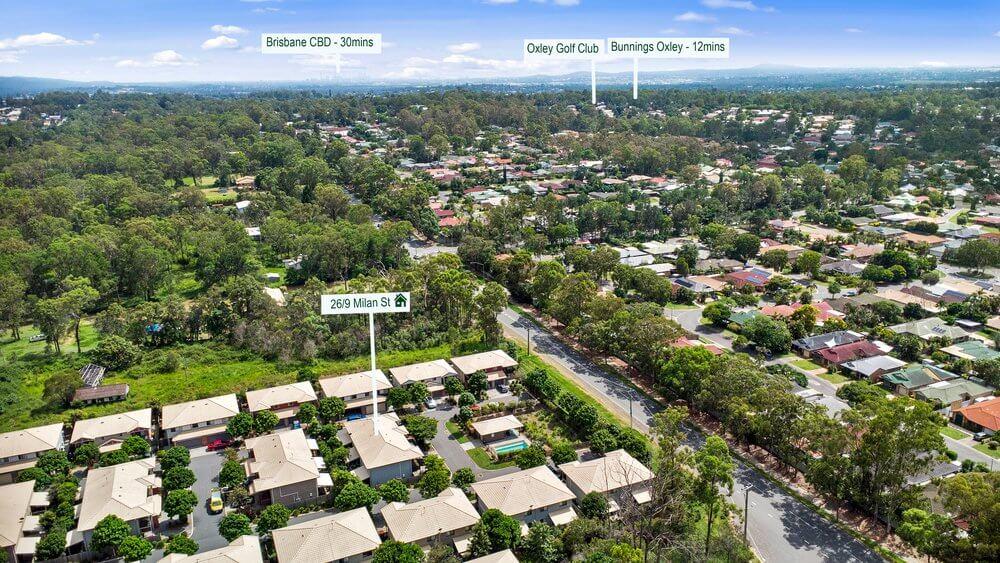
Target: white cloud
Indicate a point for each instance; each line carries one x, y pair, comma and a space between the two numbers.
934, 64
44, 39
499, 2
693, 17
220, 42
331, 60
167, 57
10, 57
732, 30
250, 49
736, 4
464, 47
997, 34
670, 31
566, 2
409, 72
475, 62
853, 30
228, 29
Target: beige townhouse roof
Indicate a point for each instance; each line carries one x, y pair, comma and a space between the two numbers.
498, 424
422, 372
505, 556
615, 470
202, 410
279, 459
483, 361
516, 493
448, 511
112, 425
389, 446
30, 440
14, 502
244, 549
123, 490
297, 393
330, 538
354, 384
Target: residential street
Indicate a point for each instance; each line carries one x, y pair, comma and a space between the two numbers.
780, 528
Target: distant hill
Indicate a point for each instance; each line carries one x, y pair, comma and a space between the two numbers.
777, 77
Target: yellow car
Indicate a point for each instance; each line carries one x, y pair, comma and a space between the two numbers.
215, 501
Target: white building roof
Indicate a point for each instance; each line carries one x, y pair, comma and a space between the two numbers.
30, 440
112, 425
244, 549
517, 493
615, 470
279, 459
124, 490
354, 384
448, 511
483, 361
389, 446
330, 538
202, 410
421, 372
297, 393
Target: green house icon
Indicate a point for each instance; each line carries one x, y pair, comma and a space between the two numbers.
400, 300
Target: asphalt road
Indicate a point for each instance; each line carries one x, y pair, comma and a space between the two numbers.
780, 528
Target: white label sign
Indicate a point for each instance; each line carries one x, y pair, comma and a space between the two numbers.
669, 47
320, 43
538, 49
356, 303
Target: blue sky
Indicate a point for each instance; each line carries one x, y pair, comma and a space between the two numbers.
131, 40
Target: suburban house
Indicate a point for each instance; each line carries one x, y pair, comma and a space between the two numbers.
972, 350
953, 393
448, 515
930, 328
617, 475
19, 449
130, 491
108, 432
345, 537
979, 416
356, 391
283, 400
498, 428
809, 345
496, 364
917, 376
244, 549
848, 352
874, 367
528, 495
505, 556
379, 456
753, 277
101, 394
432, 374
282, 468
20, 526
197, 423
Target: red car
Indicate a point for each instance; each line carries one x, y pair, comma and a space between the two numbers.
219, 445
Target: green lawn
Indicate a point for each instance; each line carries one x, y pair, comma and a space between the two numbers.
806, 364
213, 195
986, 450
484, 460
11, 349
280, 270
834, 378
953, 433
189, 181
680, 306
206, 370
456, 432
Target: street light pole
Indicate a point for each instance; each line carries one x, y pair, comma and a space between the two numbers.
746, 511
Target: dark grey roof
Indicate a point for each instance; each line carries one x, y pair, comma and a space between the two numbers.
828, 340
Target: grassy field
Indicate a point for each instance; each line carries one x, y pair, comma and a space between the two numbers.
280, 270
213, 195
484, 460
952, 433
806, 364
189, 181
11, 350
456, 433
986, 450
834, 378
206, 370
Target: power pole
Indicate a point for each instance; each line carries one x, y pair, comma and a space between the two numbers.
746, 511
529, 340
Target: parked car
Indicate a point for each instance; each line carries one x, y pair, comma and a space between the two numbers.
215, 504
355, 416
219, 444
980, 436
431, 403
503, 387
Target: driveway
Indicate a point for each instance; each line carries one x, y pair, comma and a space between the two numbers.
206, 466
690, 320
451, 450
780, 528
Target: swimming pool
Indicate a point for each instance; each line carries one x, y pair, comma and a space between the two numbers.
511, 447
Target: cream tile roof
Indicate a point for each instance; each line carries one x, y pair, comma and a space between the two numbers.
280, 459
30, 440
244, 549
14, 502
505, 556
122, 490
298, 393
448, 511
112, 425
498, 424
387, 447
330, 538
483, 361
422, 371
353, 384
615, 470
202, 410
520, 492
